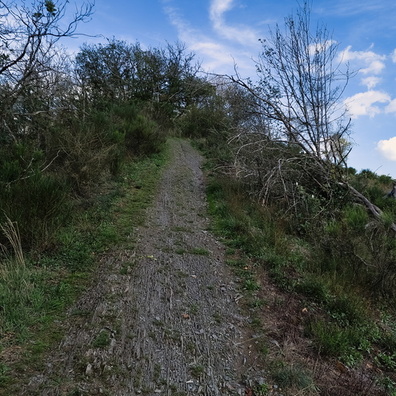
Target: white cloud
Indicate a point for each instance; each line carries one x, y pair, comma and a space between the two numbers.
371, 82
241, 34
319, 47
217, 57
391, 108
387, 148
374, 67
374, 62
363, 103
393, 56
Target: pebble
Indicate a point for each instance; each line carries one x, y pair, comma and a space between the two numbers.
88, 370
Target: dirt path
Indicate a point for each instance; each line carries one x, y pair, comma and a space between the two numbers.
161, 319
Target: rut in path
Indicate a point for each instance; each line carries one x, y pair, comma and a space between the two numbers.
169, 324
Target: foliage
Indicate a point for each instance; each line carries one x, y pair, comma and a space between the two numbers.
340, 292
141, 135
121, 72
38, 204
35, 291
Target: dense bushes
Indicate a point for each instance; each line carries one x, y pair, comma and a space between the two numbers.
38, 204
68, 125
141, 134
38, 181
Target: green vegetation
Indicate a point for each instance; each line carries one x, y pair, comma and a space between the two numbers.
82, 147
346, 304
197, 371
35, 290
102, 340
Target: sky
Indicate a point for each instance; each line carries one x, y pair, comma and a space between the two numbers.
225, 33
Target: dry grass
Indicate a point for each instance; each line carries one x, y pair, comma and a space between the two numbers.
11, 231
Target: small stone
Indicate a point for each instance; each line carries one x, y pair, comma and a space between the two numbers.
88, 370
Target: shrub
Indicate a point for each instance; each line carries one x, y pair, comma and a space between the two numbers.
38, 204
331, 339
142, 135
356, 217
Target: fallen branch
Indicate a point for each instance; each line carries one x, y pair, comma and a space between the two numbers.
374, 209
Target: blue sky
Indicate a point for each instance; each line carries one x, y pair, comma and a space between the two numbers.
224, 32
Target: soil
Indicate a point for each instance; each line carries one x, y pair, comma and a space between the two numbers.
162, 318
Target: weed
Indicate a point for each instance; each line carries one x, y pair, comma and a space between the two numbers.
256, 303
190, 347
256, 322
314, 288
290, 375
386, 360
333, 340
262, 390
194, 308
251, 285
263, 348
157, 322
200, 251
347, 310
196, 371
102, 340
236, 263
127, 267
4, 376
157, 372
218, 318
76, 392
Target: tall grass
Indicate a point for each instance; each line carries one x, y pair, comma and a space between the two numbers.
332, 266
38, 204
36, 289
11, 232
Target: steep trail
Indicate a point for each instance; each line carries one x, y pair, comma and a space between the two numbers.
162, 318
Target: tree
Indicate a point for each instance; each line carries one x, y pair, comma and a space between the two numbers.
118, 71
304, 127
301, 158
32, 77
28, 36
300, 87
27, 31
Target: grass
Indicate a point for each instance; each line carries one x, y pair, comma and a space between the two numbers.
197, 371
343, 321
35, 290
200, 251
102, 340
292, 376
195, 251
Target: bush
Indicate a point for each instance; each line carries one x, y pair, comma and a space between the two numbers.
356, 217
38, 204
142, 136
333, 340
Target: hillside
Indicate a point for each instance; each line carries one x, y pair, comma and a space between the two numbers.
158, 319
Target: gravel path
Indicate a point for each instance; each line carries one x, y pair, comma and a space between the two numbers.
161, 319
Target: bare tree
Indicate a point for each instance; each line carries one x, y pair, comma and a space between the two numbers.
305, 140
27, 30
28, 35
31, 72
303, 158
300, 87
